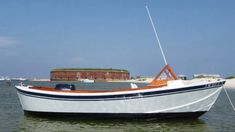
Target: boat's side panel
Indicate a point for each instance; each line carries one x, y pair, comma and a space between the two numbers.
173, 102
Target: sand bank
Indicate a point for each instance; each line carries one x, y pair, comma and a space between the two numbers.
230, 83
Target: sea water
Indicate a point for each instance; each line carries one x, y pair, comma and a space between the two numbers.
220, 118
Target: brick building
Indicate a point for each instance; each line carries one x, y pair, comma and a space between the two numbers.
74, 74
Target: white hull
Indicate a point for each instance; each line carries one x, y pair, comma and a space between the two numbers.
188, 99
87, 81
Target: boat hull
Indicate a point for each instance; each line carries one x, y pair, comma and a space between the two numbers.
190, 101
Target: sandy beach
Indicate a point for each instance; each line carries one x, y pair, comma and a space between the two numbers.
230, 83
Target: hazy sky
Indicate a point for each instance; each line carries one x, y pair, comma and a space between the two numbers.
198, 36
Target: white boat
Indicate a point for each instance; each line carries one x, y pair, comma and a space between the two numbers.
87, 80
161, 99
165, 97
5, 78
18, 79
2, 78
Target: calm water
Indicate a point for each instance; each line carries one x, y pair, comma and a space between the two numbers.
220, 118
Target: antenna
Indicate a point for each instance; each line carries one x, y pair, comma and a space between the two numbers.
156, 35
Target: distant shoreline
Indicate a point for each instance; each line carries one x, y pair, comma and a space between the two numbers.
40, 80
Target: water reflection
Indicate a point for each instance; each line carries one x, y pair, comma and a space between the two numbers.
52, 124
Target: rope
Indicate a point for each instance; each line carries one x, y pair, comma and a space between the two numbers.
229, 99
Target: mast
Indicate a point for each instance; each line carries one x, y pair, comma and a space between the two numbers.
170, 75
156, 35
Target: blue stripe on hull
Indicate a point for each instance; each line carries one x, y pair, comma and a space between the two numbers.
120, 96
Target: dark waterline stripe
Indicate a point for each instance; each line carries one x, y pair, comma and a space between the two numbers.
120, 115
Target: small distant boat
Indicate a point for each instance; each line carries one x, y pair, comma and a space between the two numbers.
87, 80
18, 79
165, 97
2, 78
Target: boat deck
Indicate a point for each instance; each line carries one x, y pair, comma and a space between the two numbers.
95, 91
